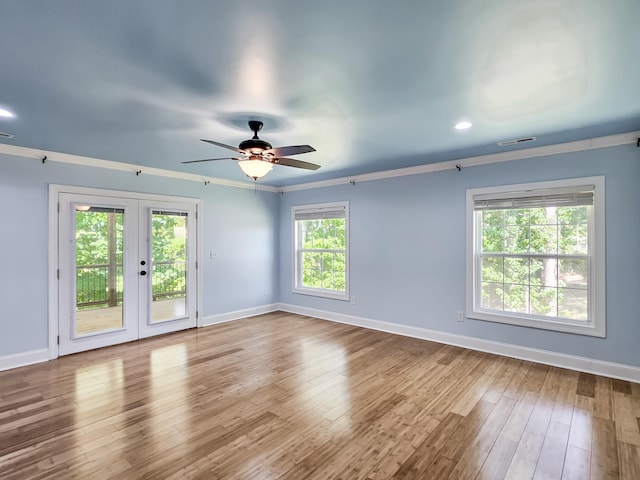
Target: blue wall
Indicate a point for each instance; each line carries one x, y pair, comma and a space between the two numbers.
407, 235
408, 258
239, 225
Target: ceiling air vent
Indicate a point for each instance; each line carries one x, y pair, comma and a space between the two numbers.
5, 135
517, 141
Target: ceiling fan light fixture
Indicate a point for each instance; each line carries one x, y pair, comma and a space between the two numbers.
255, 168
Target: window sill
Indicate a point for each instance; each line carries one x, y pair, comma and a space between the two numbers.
317, 292
558, 325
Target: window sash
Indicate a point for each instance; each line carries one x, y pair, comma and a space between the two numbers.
479, 281
300, 252
479, 254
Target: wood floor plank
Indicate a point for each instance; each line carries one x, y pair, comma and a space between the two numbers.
604, 450
552, 456
627, 429
499, 458
602, 407
582, 423
525, 458
586, 385
629, 459
292, 397
577, 464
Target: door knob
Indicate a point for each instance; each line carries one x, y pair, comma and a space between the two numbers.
143, 272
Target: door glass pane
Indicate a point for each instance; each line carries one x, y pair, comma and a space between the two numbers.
169, 265
99, 274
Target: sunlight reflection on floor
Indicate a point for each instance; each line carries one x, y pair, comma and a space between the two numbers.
324, 384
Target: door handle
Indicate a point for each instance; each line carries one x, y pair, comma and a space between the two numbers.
143, 273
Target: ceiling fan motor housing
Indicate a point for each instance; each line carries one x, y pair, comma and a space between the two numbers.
255, 145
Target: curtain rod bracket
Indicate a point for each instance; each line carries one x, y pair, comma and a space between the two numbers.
138, 172
459, 167
207, 182
44, 159
352, 182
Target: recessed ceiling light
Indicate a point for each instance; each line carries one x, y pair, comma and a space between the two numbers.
463, 125
6, 113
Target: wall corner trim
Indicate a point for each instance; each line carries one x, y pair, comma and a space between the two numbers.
23, 359
571, 362
238, 315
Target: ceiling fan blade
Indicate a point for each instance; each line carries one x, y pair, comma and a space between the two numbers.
290, 162
235, 149
212, 159
291, 150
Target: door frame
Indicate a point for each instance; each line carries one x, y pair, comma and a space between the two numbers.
54, 247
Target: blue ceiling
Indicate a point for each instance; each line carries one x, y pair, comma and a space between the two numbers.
371, 84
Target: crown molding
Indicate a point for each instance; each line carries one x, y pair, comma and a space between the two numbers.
34, 153
578, 146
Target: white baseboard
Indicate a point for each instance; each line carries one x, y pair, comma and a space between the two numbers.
237, 315
22, 359
571, 362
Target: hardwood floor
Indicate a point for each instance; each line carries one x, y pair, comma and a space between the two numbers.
286, 396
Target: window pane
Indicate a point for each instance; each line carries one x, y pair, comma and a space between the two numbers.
326, 261
573, 239
516, 217
516, 239
492, 296
492, 239
168, 266
573, 304
99, 270
573, 273
572, 215
336, 238
544, 301
493, 218
516, 270
312, 278
308, 260
543, 216
544, 272
307, 234
543, 239
492, 269
516, 298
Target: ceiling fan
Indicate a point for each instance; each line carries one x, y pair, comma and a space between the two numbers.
258, 157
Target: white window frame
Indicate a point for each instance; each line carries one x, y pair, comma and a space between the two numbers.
295, 262
596, 324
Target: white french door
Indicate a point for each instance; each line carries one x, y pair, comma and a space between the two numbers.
127, 269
